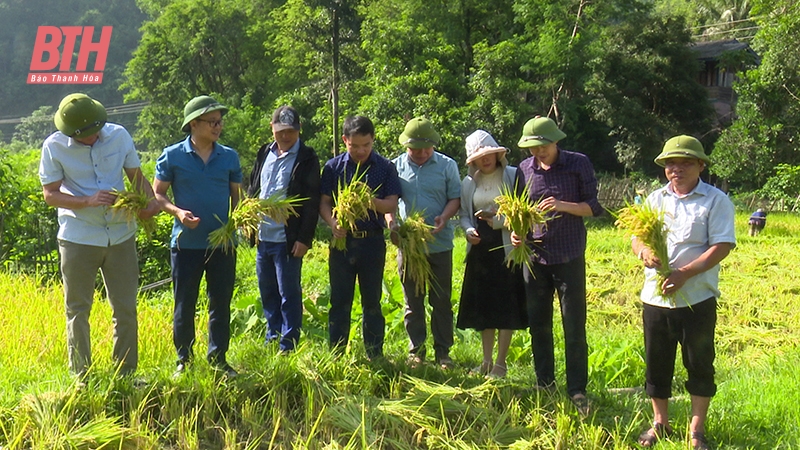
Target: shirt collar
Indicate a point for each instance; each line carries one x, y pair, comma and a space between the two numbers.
293, 149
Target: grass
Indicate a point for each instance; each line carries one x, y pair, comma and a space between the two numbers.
316, 399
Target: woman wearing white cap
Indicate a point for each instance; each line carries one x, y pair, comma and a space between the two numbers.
492, 295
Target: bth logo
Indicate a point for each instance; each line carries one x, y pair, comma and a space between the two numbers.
47, 56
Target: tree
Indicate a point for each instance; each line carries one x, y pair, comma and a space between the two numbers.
766, 130
34, 129
642, 87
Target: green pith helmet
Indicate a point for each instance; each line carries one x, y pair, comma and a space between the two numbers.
419, 133
540, 131
79, 115
199, 106
682, 146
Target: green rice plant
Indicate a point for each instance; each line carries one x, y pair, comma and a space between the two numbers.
522, 216
415, 235
223, 237
646, 224
128, 204
352, 203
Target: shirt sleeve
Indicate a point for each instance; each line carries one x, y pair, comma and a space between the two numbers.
131, 156
50, 170
452, 180
236, 175
328, 180
588, 186
721, 222
163, 169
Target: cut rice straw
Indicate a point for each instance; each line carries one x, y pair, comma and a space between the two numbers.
415, 235
353, 201
129, 203
249, 214
647, 225
522, 215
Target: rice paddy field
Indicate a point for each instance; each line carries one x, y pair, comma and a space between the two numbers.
315, 399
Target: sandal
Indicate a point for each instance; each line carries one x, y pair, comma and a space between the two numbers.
702, 442
653, 434
483, 369
498, 371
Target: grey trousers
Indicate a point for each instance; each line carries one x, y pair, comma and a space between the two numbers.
439, 295
119, 266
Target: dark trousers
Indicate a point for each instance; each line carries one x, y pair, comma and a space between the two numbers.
439, 295
692, 327
569, 280
281, 295
188, 267
365, 259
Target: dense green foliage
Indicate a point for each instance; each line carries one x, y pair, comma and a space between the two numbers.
767, 130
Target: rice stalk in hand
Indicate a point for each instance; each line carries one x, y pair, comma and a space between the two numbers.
522, 216
415, 235
647, 225
352, 203
129, 203
223, 237
250, 212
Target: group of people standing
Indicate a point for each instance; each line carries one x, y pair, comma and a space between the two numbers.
84, 162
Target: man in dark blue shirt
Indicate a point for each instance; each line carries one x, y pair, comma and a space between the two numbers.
365, 252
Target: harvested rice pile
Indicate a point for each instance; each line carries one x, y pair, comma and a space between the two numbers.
247, 216
129, 203
353, 202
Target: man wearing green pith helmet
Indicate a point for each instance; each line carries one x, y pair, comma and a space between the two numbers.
205, 178
699, 220
81, 166
430, 185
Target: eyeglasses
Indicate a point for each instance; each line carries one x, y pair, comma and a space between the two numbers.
212, 123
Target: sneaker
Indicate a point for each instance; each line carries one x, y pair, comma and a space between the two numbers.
180, 369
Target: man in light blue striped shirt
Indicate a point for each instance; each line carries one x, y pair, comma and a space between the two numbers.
81, 166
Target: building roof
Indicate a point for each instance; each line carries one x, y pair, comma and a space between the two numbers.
712, 50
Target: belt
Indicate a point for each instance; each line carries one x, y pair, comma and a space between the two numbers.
361, 234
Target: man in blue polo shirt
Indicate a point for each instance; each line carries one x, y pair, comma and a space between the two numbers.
365, 253
430, 184
81, 165
205, 178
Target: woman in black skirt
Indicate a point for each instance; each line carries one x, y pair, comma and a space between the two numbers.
492, 295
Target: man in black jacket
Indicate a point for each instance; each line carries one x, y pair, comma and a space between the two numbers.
292, 168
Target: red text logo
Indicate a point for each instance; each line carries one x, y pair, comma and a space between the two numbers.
49, 55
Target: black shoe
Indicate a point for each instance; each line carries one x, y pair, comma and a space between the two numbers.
226, 370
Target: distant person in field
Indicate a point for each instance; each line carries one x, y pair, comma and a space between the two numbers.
566, 184
81, 166
492, 295
430, 185
205, 178
683, 309
287, 167
757, 222
365, 254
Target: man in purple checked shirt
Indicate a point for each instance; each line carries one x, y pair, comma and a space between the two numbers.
566, 184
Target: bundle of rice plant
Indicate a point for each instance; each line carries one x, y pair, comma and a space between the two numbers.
223, 237
251, 211
352, 203
129, 203
415, 235
648, 226
522, 216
